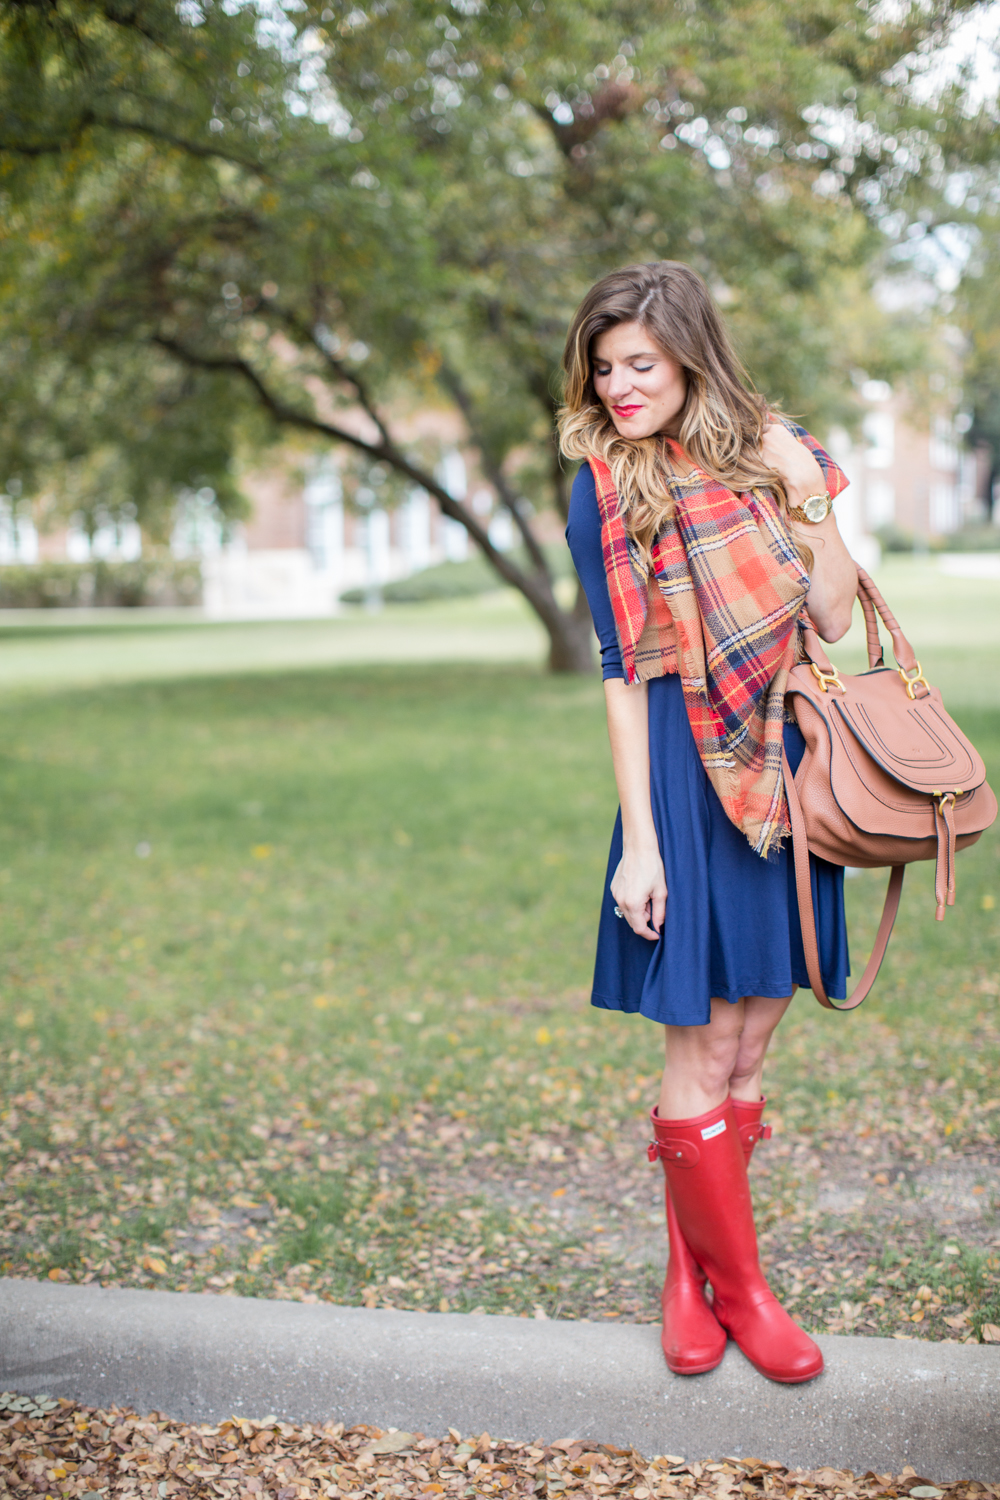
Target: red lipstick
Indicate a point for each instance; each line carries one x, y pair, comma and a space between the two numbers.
625, 411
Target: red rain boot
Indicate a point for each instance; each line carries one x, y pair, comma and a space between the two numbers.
707, 1178
748, 1124
692, 1340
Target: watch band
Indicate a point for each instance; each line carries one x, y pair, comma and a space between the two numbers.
814, 508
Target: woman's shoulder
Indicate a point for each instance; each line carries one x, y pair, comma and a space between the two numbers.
584, 490
583, 524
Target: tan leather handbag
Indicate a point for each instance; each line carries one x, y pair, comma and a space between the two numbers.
887, 778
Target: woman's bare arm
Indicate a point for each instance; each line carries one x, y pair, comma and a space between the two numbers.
639, 885
834, 578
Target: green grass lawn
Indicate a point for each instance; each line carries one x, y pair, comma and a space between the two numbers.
295, 997
44, 650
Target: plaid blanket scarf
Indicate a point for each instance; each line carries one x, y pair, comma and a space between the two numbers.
730, 590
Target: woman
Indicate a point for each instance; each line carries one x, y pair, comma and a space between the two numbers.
701, 525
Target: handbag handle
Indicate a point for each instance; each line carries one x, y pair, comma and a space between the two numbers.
873, 641
901, 648
807, 915
873, 606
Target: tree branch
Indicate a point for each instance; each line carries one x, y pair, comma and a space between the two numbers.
494, 472
90, 119
615, 101
337, 368
537, 590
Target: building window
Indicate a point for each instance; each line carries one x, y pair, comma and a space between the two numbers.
198, 530
880, 502
945, 513
18, 537
943, 450
880, 434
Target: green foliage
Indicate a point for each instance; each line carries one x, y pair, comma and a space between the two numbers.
445, 581
893, 538
979, 314
451, 580
973, 539
221, 225
147, 580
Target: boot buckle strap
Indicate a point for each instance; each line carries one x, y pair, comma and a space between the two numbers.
674, 1153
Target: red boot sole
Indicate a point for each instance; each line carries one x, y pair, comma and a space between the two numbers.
702, 1369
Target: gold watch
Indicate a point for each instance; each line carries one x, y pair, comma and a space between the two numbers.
814, 508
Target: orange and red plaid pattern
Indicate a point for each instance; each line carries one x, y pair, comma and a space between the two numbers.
730, 590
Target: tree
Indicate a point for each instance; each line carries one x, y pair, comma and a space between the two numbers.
979, 316
227, 223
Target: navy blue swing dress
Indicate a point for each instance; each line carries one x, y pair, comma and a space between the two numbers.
732, 921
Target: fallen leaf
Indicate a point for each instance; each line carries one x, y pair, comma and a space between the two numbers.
991, 1333
392, 1442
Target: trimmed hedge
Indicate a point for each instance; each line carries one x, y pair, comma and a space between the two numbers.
977, 538
90, 585
451, 580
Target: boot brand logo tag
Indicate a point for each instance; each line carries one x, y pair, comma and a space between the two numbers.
712, 1130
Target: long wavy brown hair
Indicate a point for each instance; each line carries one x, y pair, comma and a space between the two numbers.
721, 423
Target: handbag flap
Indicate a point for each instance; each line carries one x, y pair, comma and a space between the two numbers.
914, 740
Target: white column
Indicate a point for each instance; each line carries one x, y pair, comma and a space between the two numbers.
415, 531
452, 474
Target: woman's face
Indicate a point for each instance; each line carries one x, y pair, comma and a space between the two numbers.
643, 389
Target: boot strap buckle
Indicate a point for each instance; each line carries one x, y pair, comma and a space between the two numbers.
677, 1153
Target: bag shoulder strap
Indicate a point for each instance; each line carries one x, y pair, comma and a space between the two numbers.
807, 915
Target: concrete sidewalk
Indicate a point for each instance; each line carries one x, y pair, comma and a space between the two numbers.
882, 1403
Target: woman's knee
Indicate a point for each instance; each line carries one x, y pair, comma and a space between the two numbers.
760, 1024
708, 1052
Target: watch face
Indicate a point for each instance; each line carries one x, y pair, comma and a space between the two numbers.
817, 508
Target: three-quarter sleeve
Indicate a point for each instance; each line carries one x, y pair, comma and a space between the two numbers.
583, 533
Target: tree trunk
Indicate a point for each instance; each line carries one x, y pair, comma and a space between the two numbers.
571, 638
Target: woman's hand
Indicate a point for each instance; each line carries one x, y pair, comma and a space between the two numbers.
639, 888
794, 462
833, 579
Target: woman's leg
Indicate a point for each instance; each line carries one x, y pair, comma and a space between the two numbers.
761, 1016
699, 1062
699, 1145
705, 1064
